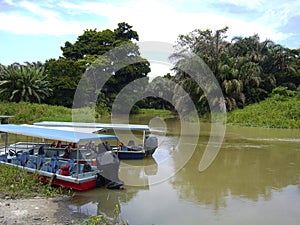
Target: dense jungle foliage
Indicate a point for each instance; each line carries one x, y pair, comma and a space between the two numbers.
247, 70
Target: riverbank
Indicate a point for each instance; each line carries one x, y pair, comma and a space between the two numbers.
37, 210
281, 110
24, 200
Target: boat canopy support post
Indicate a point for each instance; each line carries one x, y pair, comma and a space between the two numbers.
6, 142
15, 142
144, 136
77, 169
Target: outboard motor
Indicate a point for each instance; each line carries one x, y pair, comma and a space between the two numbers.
108, 170
150, 144
4, 121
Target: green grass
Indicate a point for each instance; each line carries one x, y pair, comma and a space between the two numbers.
277, 111
25, 112
155, 112
18, 183
274, 112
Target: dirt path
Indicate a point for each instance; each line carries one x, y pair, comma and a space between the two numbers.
35, 211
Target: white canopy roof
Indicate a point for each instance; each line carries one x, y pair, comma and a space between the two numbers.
94, 125
53, 134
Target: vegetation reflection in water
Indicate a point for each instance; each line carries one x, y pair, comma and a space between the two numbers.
254, 179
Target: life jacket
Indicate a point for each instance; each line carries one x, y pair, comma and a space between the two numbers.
65, 170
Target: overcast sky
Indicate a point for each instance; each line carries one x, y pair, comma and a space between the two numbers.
35, 30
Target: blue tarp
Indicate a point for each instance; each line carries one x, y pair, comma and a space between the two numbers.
53, 134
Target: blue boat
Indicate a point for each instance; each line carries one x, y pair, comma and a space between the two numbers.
81, 170
130, 151
130, 154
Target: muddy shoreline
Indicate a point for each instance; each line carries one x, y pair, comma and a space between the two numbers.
37, 210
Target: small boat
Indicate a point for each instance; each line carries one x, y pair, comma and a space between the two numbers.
130, 151
73, 172
127, 154
4, 119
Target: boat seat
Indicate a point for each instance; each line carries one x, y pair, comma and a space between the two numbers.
31, 151
39, 161
24, 158
131, 143
73, 170
3, 158
45, 166
31, 163
16, 160
54, 165
41, 150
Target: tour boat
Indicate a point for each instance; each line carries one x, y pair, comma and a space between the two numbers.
130, 151
81, 170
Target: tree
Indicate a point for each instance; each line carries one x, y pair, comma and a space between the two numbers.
247, 69
210, 47
92, 51
286, 67
125, 33
63, 75
24, 83
206, 44
93, 42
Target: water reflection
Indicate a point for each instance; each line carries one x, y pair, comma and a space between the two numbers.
255, 172
247, 172
101, 201
137, 172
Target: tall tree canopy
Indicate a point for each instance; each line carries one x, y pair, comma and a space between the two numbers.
93, 42
64, 75
246, 68
90, 48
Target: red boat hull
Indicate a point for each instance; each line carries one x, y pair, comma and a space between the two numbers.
77, 186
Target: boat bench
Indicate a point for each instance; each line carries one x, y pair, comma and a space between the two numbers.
73, 168
47, 164
3, 158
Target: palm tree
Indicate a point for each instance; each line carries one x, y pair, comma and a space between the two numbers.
208, 46
231, 83
253, 62
24, 83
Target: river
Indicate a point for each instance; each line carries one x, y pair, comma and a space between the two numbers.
254, 179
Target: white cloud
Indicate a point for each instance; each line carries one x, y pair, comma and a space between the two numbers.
252, 4
21, 24
158, 21
153, 20
38, 10
9, 2
159, 69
